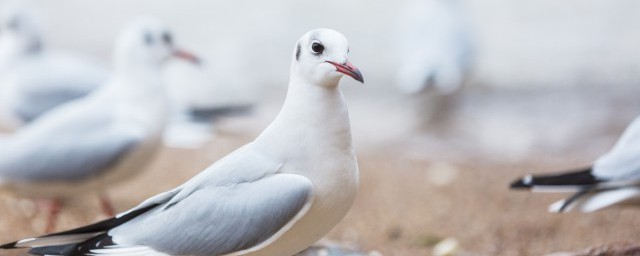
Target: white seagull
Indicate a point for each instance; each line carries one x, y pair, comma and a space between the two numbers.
90, 143
274, 196
434, 47
33, 77
614, 179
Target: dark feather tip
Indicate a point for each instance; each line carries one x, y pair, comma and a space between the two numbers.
11, 245
574, 178
521, 184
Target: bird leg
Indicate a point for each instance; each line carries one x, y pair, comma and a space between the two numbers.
105, 204
53, 209
572, 199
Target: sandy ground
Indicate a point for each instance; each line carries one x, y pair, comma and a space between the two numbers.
419, 186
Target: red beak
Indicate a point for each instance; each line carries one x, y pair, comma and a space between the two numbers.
190, 57
348, 69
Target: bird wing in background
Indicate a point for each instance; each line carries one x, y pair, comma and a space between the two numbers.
194, 127
72, 143
613, 179
597, 200
46, 82
623, 161
571, 181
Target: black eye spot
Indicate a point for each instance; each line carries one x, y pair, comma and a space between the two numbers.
167, 38
148, 38
317, 48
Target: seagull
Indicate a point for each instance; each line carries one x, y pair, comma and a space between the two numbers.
276, 195
614, 178
34, 78
434, 47
192, 127
90, 143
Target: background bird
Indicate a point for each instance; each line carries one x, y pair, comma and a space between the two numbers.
434, 56
274, 196
108, 136
612, 180
434, 46
34, 78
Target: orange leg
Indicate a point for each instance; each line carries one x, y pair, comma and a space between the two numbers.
107, 207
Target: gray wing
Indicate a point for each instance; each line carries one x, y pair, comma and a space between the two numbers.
65, 157
217, 220
34, 104
74, 142
52, 80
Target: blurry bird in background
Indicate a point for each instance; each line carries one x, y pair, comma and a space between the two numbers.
434, 52
34, 78
198, 103
108, 136
614, 179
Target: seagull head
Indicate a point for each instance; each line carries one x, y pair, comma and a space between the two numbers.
148, 43
20, 28
321, 57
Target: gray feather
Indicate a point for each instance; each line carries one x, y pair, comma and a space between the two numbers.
216, 220
55, 149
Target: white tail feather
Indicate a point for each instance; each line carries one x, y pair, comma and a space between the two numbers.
127, 251
598, 201
605, 199
55, 240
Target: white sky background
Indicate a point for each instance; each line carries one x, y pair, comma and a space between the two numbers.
518, 43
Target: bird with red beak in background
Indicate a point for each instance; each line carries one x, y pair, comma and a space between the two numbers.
89, 144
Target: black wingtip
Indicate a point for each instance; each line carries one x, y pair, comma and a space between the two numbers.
211, 114
522, 183
582, 177
11, 245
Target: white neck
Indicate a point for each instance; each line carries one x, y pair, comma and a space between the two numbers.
139, 96
312, 118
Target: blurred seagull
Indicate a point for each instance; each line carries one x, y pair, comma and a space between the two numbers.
34, 78
434, 48
202, 96
197, 104
274, 196
90, 143
612, 180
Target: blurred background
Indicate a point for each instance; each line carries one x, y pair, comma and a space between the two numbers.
548, 85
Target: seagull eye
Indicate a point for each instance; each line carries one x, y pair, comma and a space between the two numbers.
167, 38
317, 48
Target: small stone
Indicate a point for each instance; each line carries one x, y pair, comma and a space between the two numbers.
447, 247
441, 173
375, 253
